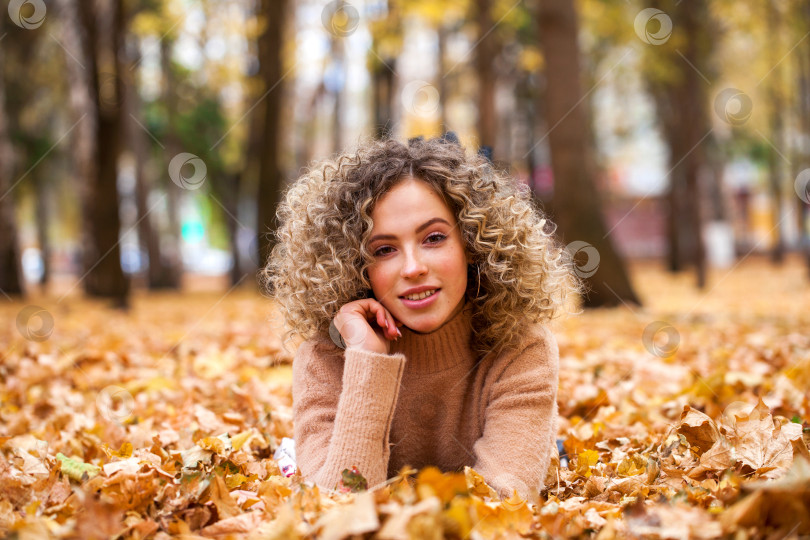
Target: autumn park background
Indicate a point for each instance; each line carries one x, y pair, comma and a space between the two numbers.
144, 145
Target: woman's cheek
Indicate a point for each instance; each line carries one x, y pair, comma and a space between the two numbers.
382, 282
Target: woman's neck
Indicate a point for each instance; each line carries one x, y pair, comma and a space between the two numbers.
442, 348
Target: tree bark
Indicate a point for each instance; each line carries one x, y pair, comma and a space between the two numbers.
43, 222
11, 277
338, 60
230, 192
694, 15
383, 80
803, 60
168, 273
485, 53
270, 177
382, 63
775, 167
576, 200
681, 105
441, 35
104, 28
148, 236
96, 90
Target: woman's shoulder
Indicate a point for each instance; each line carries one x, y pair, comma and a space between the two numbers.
318, 360
319, 347
318, 350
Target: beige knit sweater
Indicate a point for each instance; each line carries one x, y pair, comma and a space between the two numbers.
428, 402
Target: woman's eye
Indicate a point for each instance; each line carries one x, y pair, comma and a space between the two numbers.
439, 237
436, 238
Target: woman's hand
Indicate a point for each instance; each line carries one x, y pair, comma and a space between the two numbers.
352, 321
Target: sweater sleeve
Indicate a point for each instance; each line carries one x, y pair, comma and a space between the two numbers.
520, 419
343, 405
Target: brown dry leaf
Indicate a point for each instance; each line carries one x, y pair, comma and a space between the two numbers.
669, 521
240, 524
211, 398
396, 527
698, 428
359, 517
783, 504
717, 458
477, 485
221, 497
765, 448
594, 486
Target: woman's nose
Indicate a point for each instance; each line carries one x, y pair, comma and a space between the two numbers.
413, 265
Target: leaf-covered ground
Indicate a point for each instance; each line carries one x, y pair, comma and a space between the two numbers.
685, 418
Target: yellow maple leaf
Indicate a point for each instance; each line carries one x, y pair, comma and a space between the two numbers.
431, 481
587, 459
124, 452
631, 466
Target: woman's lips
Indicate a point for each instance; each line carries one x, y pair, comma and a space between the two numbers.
416, 304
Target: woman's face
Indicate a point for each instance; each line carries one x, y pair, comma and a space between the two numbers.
416, 242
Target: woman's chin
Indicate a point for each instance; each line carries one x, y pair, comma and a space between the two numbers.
420, 326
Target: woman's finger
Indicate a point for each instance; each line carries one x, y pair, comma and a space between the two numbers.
380, 316
385, 320
392, 326
391, 331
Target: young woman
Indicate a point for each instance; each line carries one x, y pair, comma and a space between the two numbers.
421, 279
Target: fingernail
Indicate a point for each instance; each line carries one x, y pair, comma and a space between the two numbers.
387, 324
398, 332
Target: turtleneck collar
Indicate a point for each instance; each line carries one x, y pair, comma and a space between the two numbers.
445, 347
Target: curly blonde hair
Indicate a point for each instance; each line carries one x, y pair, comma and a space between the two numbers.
320, 259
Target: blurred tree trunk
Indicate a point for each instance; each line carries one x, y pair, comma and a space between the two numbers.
11, 278
96, 91
803, 103
249, 176
43, 221
775, 167
81, 101
716, 164
576, 200
681, 105
307, 126
441, 35
694, 15
169, 270
148, 236
485, 53
337, 72
382, 90
29, 139
270, 177
382, 66
104, 28
538, 152
230, 193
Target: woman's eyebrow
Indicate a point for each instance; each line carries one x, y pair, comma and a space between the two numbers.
419, 229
